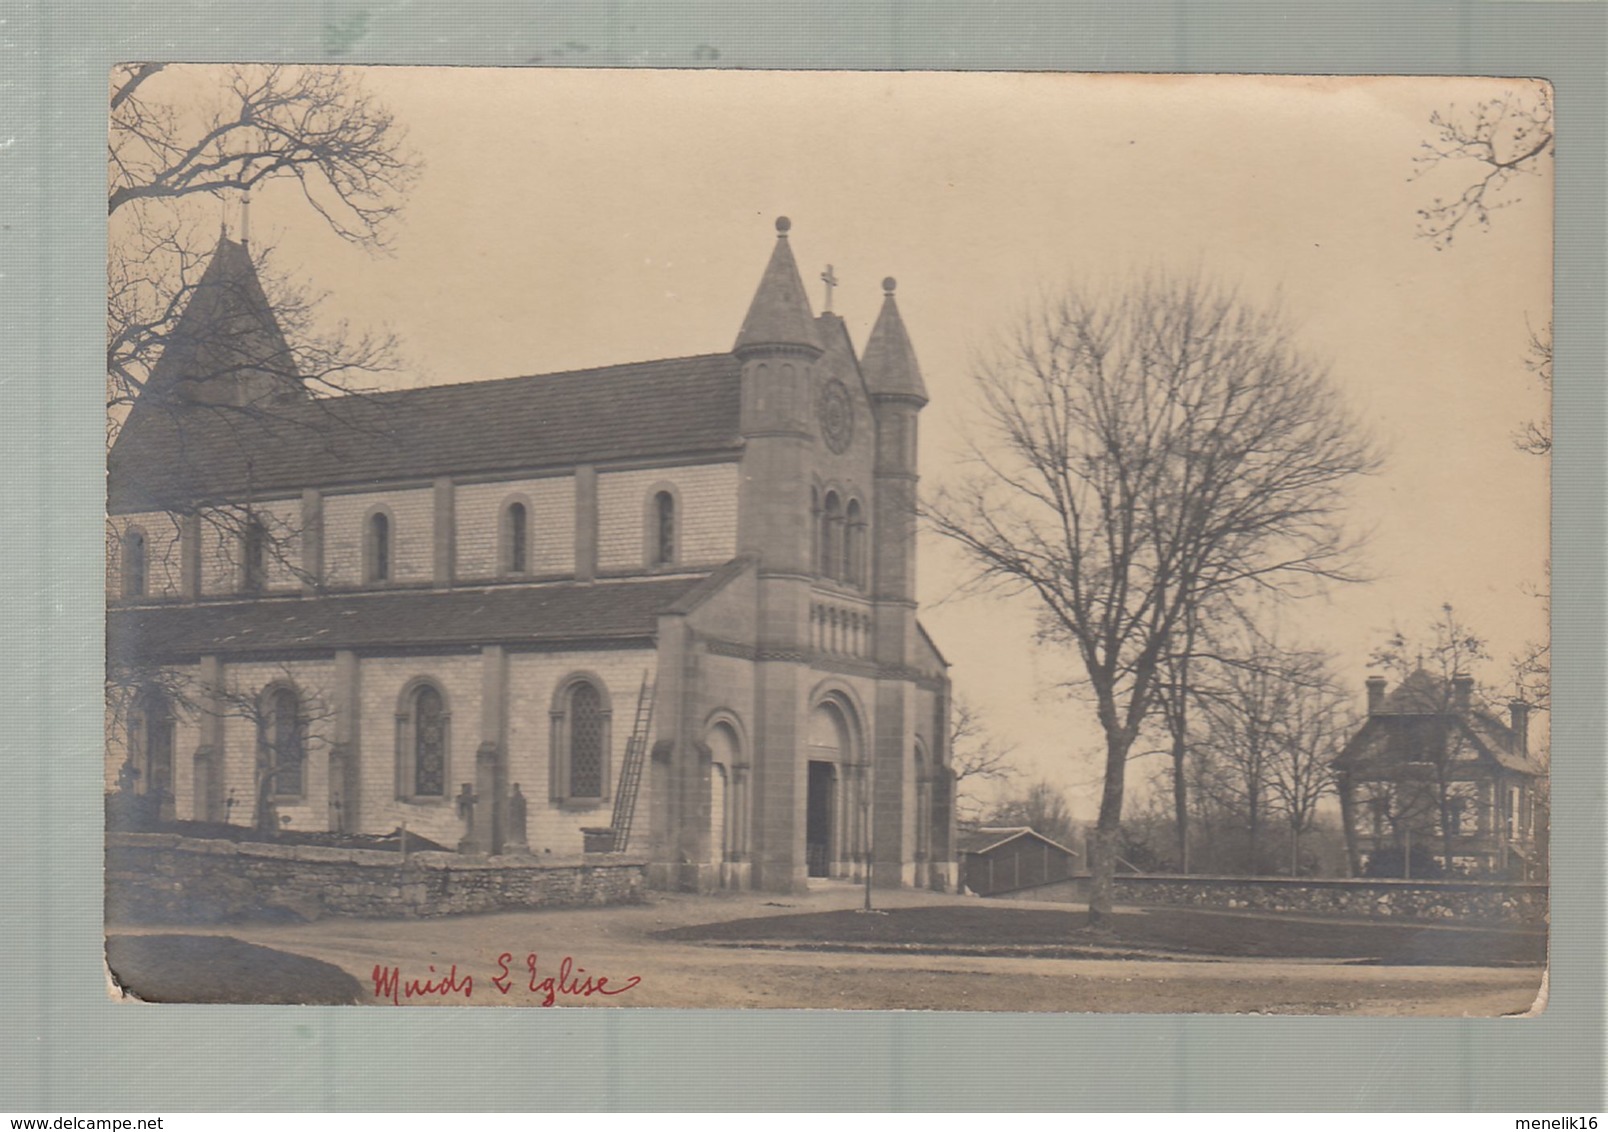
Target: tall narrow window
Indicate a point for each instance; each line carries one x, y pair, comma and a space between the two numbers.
854, 545
134, 564
152, 741
586, 752
379, 547
429, 743
516, 535
664, 529
254, 552
284, 742
832, 536
815, 529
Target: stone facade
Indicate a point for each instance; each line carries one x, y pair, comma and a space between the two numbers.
464, 599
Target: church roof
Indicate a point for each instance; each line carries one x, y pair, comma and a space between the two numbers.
889, 361
780, 313
562, 612
644, 410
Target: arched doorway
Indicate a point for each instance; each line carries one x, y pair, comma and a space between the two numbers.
833, 834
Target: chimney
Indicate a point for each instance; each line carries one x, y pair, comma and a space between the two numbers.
1520, 713
1462, 691
1376, 695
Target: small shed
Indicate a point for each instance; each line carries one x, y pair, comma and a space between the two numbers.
998, 859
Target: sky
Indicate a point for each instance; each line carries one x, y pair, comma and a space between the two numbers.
573, 218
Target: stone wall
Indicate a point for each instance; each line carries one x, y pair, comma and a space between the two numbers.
1495, 902
158, 877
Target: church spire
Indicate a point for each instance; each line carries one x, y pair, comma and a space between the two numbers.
780, 313
227, 345
889, 362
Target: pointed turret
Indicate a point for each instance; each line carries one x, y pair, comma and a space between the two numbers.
227, 346
780, 314
889, 362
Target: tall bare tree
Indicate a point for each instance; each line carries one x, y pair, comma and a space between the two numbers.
1144, 452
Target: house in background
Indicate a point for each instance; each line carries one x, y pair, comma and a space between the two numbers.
672, 600
995, 860
1433, 781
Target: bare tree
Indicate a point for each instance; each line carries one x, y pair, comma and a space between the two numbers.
1496, 142
1314, 729
1535, 437
287, 730
1238, 742
978, 757
1146, 452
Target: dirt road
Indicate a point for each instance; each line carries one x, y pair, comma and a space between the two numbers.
485, 960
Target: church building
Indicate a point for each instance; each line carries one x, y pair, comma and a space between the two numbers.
665, 608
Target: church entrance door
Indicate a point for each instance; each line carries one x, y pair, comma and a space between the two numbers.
818, 819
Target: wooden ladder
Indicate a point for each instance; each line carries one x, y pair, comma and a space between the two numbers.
636, 754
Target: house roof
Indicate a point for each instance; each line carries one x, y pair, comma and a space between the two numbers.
989, 838
645, 410
566, 611
1399, 737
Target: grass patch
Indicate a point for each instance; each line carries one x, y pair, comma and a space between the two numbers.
1184, 932
211, 968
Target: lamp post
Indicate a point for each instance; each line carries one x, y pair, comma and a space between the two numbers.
865, 826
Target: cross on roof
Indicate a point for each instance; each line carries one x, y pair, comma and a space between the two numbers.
831, 281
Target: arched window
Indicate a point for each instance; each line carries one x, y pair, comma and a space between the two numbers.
254, 555
423, 742
580, 747
664, 529
284, 746
151, 743
586, 742
429, 743
134, 564
377, 552
832, 536
516, 539
854, 545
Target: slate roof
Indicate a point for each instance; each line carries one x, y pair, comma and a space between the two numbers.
644, 410
561, 612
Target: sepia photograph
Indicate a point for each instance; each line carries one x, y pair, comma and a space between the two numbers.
828, 540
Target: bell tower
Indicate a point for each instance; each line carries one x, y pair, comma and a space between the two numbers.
777, 347
897, 397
